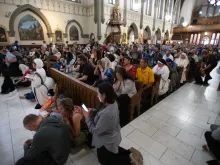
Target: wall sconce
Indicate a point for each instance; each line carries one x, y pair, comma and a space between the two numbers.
206, 33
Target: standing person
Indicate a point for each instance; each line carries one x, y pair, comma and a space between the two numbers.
125, 88
209, 62
162, 69
136, 55
183, 63
50, 144
146, 76
105, 128
130, 69
66, 47
44, 47
38, 87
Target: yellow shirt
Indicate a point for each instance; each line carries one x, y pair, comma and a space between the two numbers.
146, 76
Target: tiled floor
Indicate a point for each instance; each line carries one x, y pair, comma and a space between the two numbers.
170, 133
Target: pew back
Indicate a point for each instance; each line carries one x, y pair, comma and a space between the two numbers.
75, 89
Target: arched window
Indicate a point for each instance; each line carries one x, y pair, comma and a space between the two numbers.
213, 39
195, 39
148, 7
217, 39
176, 11
191, 39
73, 33
198, 39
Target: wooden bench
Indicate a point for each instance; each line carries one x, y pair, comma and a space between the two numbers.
75, 89
155, 90
83, 93
136, 100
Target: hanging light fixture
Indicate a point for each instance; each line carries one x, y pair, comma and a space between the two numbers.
214, 2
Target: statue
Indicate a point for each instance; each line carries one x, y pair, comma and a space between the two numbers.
116, 16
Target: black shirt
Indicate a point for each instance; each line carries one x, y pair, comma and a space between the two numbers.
211, 59
88, 70
136, 56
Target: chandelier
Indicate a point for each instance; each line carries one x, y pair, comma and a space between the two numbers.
214, 2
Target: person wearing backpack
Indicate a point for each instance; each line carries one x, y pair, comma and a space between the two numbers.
38, 83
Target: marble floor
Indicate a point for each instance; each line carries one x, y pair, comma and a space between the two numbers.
170, 133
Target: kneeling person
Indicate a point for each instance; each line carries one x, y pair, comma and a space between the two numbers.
50, 144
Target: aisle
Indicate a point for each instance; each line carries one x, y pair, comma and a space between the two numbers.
170, 133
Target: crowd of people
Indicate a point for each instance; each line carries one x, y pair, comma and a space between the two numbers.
113, 69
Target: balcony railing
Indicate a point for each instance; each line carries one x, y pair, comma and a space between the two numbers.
197, 28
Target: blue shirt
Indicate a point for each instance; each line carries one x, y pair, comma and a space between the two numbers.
108, 73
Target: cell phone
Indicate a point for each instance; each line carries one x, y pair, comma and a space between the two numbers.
85, 108
43, 113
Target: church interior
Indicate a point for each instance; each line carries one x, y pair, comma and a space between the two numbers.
110, 82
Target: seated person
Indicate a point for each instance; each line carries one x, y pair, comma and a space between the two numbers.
213, 143
8, 85
73, 117
124, 87
95, 57
50, 144
24, 82
130, 69
162, 69
86, 70
146, 76
104, 71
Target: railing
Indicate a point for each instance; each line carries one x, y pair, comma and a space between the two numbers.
197, 28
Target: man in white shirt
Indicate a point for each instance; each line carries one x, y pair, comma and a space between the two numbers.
168, 55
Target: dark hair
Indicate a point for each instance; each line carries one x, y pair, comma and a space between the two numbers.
205, 52
107, 89
67, 105
29, 119
111, 57
82, 57
128, 58
145, 60
69, 57
122, 72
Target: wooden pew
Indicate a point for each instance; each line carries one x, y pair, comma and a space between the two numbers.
83, 93
155, 89
136, 100
75, 89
